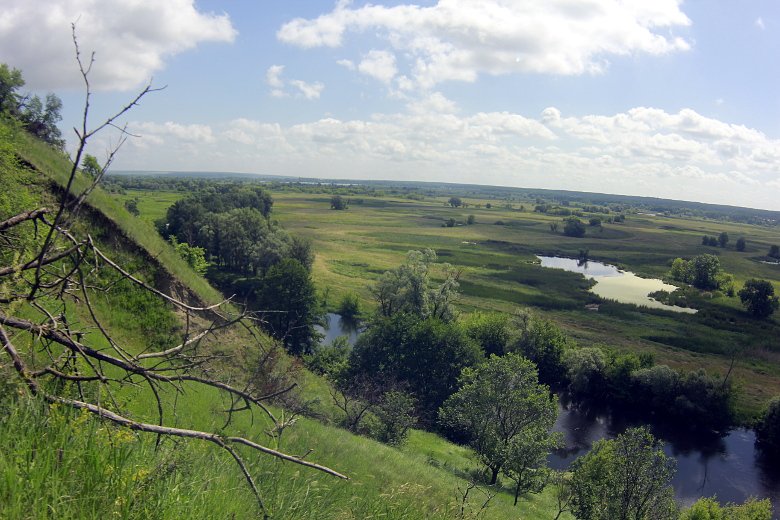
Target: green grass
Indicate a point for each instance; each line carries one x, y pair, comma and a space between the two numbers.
500, 273
59, 463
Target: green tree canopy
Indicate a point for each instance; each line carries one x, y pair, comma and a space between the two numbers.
573, 227
709, 509
542, 342
10, 82
758, 297
768, 430
287, 293
339, 203
505, 414
455, 202
627, 478
408, 288
424, 356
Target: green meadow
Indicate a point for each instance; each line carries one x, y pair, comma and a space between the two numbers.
500, 272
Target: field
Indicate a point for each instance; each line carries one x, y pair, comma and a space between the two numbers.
500, 272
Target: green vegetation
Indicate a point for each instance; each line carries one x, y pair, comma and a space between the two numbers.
506, 415
758, 297
768, 430
625, 478
113, 343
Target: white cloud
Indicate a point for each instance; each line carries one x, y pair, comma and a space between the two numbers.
273, 77
131, 40
379, 65
760, 23
308, 90
458, 40
347, 64
643, 151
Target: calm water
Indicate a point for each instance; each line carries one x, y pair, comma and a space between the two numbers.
335, 327
725, 466
614, 284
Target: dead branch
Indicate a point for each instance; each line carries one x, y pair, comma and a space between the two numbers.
64, 271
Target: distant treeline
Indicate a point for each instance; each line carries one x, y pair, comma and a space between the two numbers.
412, 190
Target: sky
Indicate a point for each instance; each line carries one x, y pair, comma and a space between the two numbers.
665, 98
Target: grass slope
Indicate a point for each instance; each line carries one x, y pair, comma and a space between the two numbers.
62, 464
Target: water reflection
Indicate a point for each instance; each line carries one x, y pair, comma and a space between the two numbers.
614, 284
336, 326
727, 466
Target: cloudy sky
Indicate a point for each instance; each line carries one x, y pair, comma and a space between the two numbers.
669, 98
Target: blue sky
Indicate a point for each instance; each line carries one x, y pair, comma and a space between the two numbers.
664, 98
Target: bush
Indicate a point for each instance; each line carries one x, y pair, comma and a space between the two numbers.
349, 308
471, 219
758, 296
395, 415
768, 430
573, 227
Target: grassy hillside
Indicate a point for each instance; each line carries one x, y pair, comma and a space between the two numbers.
59, 463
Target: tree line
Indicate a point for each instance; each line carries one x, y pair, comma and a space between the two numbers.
250, 255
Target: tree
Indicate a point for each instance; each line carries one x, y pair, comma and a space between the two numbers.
408, 288
758, 296
395, 412
337, 202
554, 227
542, 342
450, 222
40, 119
627, 478
10, 82
425, 356
504, 412
709, 509
490, 331
573, 227
774, 251
723, 239
455, 202
90, 166
768, 430
681, 271
349, 308
287, 294
586, 371
471, 219
704, 271
740, 244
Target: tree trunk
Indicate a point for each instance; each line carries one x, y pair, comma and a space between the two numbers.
517, 491
494, 476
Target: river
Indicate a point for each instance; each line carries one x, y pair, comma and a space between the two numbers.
724, 466
727, 467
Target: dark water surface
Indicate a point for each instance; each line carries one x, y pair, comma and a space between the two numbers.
335, 327
726, 466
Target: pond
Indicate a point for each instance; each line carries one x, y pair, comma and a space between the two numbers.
614, 284
727, 466
334, 327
